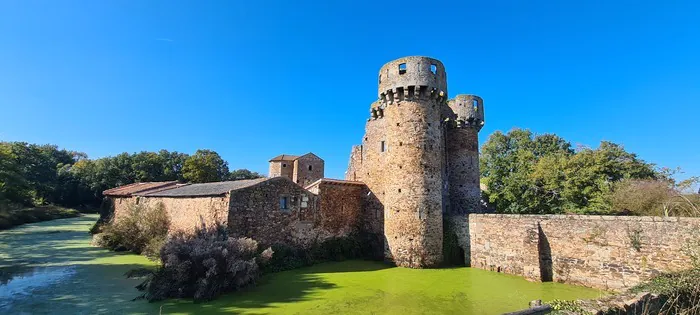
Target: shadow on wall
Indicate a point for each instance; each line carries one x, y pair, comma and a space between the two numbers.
372, 227
545, 255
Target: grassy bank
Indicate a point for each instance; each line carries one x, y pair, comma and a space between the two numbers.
14, 217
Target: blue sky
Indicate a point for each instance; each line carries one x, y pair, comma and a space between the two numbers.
255, 79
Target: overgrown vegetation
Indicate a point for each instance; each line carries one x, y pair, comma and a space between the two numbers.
680, 291
569, 306
354, 246
540, 174
453, 254
10, 217
204, 265
142, 230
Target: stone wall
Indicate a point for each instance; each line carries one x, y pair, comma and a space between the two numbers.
606, 252
414, 182
308, 168
281, 168
256, 212
188, 213
185, 213
340, 206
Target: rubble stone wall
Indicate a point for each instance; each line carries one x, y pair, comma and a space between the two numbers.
308, 169
257, 212
185, 213
606, 252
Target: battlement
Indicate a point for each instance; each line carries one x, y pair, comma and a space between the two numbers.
469, 111
423, 74
409, 93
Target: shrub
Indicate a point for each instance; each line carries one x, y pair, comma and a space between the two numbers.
680, 291
142, 229
692, 249
204, 265
355, 246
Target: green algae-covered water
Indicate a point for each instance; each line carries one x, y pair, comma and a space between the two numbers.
50, 268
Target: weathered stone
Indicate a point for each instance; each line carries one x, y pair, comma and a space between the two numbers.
420, 159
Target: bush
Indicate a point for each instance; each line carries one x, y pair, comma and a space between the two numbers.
680, 291
204, 265
142, 229
355, 246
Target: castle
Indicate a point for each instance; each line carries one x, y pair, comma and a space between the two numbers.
419, 157
412, 186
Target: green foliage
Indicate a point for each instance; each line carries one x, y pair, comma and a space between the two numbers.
569, 306
205, 166
355, 246
453, 254
680, 290
243, 174
527, 173
635, 237
204, 265
10, 217
691, 248
142, 230
33, 175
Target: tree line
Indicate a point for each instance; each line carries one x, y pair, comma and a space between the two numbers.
32, 174
544, 174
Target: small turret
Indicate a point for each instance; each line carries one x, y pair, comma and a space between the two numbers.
468, 111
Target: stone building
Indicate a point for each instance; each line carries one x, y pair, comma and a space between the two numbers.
270, 210
419, 157
302, 170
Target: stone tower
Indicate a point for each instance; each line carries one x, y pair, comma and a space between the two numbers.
415, 144
462, 147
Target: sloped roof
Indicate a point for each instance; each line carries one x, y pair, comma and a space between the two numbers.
136, 188
335, 181
311, 154
284, 157
207, 189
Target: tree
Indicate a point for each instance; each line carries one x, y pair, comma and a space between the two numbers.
13, 186
527, 173
517, 177
244, 174
205, 166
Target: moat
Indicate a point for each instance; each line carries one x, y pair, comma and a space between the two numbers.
50, 267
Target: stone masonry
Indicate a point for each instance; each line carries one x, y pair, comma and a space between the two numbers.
302, 170
419, 157
606, 252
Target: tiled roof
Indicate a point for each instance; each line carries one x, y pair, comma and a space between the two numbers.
207, 189
139, 188
284, 157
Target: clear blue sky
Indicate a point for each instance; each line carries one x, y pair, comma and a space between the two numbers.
255, 79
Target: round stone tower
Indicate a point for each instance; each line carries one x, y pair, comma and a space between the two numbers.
462, 131
412, 94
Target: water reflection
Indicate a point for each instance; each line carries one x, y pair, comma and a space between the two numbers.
21, 281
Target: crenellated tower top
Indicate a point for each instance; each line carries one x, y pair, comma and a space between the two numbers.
469, 111
409, 77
